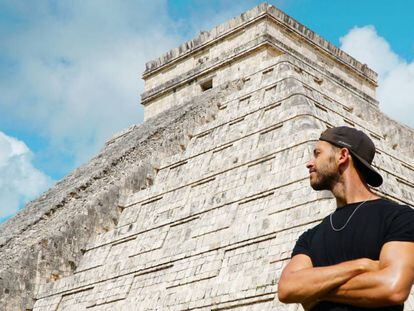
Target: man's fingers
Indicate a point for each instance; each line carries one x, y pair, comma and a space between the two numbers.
369, 265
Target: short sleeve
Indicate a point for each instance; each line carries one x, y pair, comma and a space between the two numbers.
302, 245
401, 227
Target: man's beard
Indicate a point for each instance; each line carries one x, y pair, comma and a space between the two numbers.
325, 179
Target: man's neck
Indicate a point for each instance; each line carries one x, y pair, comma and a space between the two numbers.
347, 193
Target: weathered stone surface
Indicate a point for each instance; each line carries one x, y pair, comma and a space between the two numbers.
264, 9
46, 240
199, 207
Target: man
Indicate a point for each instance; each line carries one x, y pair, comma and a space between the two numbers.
362, 255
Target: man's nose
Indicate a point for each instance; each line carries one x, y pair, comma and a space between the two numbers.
309, 164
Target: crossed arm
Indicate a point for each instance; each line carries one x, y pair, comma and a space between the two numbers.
361, 282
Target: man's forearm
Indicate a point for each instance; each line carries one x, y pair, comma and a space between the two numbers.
371, 289
312, 283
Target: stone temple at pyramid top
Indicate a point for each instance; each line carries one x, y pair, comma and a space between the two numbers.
239, 47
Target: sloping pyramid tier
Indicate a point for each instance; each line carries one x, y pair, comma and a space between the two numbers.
218, 224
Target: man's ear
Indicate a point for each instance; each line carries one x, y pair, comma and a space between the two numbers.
344, 156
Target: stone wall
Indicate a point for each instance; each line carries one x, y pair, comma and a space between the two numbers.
237, 23
46, 240
241, 47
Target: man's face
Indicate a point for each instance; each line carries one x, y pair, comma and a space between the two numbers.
323, 170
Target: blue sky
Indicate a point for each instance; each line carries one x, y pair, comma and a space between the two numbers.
70, 70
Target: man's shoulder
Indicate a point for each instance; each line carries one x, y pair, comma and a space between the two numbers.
311, 231
393, 207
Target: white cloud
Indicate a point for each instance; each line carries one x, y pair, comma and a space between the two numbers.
396, 75
75, 74
19, 180
78, 65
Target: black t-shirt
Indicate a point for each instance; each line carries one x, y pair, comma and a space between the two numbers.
373, 224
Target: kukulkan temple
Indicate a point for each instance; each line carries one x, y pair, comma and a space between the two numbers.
199, 207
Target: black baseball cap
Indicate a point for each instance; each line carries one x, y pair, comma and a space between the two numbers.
359, 145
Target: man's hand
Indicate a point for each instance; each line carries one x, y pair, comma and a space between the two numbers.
370, 265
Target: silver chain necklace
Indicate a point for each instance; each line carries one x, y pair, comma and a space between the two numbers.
340, 229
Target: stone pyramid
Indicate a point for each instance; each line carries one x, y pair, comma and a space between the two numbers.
199, 207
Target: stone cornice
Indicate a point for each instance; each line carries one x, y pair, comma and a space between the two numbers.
207, 38
240, 51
